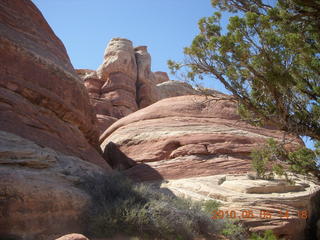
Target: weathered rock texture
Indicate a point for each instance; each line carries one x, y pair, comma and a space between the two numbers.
124, 83
174, 89
42, 98
195, 136
118, 73
196, 139
112, 87
161, 77
40, 195
259, 204
48, 138
146, 93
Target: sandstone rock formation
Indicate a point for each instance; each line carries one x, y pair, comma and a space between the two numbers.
48, 138
40, 194
174, 89
196, 144
42, 98
195, 136
118, 74
259, 204
160, 77
124, 83
146, 94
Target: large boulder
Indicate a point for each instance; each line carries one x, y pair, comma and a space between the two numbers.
201, 147
42, 97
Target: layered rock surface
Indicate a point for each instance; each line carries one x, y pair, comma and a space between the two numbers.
194, 143
40, 194
48, 137
195, 136
146, 91
42, 98
124, 83
259, 204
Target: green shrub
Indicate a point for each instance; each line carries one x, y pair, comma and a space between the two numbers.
234, 230
302, 161
267, 235
210, 205
120, 206
272, 158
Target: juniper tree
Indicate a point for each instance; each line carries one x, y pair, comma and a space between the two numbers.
268, 57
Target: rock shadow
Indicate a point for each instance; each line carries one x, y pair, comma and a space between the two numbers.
138, 172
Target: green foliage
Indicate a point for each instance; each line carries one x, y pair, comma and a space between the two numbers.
259, 164
263, 156
272, 158
302, 161
267, 235
119, 206
268, 57
233, 230
210, 205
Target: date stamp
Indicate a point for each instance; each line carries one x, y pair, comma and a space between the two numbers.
262, 214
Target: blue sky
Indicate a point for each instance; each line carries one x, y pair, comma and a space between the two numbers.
166, 27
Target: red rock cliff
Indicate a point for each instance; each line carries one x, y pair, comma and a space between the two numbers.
42, 98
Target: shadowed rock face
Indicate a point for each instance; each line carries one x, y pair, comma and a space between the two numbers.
146, 88
202, 148
116, 159
42, 98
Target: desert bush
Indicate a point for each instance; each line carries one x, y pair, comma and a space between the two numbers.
120, 206
272, 158
210, 205
234, 230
